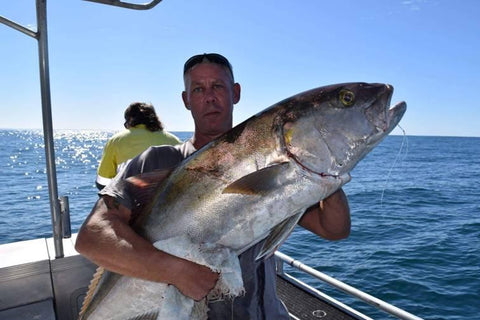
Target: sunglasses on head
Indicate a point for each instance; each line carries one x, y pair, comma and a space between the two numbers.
207, 57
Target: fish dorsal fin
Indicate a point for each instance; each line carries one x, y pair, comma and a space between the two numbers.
92, 287
152, 315
258, 182
278, 234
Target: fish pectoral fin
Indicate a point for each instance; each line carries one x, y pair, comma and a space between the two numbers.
278, 234
149, 179
258, 182
151, 315
144, 186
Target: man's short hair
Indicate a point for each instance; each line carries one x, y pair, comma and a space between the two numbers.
208, 57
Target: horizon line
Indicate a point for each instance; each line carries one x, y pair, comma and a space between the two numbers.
191, 131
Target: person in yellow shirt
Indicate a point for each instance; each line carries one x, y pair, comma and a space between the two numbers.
142, 130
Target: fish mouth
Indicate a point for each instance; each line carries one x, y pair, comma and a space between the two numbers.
382, 115
395, 114
388, 116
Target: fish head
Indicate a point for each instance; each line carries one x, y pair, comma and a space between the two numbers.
328, 130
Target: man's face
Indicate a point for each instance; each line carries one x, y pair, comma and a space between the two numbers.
210, 95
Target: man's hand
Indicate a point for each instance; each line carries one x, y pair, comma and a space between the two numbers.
195, 280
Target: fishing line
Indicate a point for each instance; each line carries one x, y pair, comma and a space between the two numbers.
402, 146
364, 262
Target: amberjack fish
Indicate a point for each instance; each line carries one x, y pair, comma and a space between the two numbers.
252, 183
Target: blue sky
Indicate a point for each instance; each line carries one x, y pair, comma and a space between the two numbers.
102, 57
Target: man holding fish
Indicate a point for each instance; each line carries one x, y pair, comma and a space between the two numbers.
108, 239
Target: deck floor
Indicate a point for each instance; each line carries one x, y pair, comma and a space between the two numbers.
305, 306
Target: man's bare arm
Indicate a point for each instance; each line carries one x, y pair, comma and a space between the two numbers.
107, 239
329, 219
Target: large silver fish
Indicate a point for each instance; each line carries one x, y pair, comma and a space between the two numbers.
252, 183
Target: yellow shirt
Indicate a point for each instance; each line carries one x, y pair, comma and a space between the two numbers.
125, 145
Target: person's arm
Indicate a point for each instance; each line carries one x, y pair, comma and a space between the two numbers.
107, 239
107, 168
329, 219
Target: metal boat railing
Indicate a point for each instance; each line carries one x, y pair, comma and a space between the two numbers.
128, 5
58, 206
377, 303
42, 38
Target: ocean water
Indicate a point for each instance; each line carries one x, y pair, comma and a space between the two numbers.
415, 205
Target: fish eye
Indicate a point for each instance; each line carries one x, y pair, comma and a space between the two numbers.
347, 97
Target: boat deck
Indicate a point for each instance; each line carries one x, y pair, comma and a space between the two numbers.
305, 305
37, 286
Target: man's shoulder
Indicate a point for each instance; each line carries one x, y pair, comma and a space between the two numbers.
162, 157
154, 158
163, 153
186, 148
